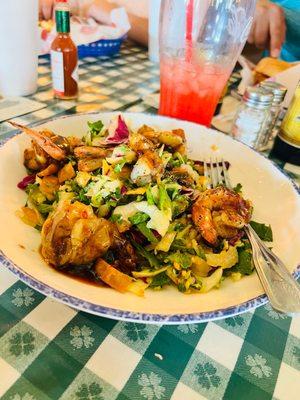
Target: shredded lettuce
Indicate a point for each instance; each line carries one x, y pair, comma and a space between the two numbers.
152, 260
116, 218
244, 265
183, 259
95, 128
118, 168
149, 196
160, 280
179, 205
44, 208
138, 218
142, 227
164, 204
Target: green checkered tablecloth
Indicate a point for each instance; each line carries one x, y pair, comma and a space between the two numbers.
49, 351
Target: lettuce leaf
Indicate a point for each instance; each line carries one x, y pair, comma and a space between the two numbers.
95, 128
142, 227
263, 231
183, 259
152, 260
160, 280
138, 218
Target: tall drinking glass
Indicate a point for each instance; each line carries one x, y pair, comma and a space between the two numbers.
200, 41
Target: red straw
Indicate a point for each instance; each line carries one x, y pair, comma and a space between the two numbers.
189, 29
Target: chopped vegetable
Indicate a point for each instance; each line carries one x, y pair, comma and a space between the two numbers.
149, 235
184, 260
153, 261
95, 128
23, 184
238, 188
225, 259
166, 242
263, 231
138, 218
66, 173
44, 208
118, 280
118, 131
160, 280
244, 265
147, 273
126, 206
211, 281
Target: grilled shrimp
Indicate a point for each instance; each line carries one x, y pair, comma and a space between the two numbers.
57, 147
90, 152
220, 212
73, 234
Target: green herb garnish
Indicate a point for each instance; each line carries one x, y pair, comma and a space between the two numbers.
238, 188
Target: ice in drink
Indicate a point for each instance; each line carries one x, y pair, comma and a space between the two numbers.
191, 90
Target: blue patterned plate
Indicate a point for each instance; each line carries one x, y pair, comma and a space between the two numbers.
276, 201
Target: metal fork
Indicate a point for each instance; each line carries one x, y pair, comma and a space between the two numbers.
281, 288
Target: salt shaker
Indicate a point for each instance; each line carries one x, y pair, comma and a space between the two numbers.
252, 120
279, 92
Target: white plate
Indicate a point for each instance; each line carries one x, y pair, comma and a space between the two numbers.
276, 202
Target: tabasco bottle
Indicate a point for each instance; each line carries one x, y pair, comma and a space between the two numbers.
64, 57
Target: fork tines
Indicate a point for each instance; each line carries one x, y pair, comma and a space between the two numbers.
216, 173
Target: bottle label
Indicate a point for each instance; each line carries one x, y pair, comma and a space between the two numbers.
291, 122
57, 66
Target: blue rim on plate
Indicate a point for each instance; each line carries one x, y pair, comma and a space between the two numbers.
113, 313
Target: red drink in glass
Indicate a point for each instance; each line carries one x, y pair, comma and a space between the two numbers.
190, 90
200, 41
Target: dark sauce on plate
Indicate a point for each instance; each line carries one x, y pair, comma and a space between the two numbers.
82, 273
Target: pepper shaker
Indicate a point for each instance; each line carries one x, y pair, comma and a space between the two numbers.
279, 92
252, 121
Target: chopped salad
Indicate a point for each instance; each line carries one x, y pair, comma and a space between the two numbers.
128, 209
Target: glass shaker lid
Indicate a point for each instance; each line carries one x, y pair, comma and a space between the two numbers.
258, 97
278, 90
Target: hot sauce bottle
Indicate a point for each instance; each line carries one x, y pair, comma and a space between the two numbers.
64, 56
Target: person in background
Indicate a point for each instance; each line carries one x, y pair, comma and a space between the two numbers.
276, 25
276, 28
137, 11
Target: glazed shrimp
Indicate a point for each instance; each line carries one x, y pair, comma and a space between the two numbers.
220, 212
90, 152
57, 147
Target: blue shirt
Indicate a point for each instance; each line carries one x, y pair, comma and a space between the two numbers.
291, 48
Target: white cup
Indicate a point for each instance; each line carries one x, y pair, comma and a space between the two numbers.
18, 47
154, 14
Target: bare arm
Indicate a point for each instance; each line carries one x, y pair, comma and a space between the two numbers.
268, 29
101, 9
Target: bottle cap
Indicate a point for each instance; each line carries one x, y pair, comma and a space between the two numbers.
278, 90
62, 16
258, 97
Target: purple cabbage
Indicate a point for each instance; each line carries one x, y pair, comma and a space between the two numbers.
118, 132
28, 180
